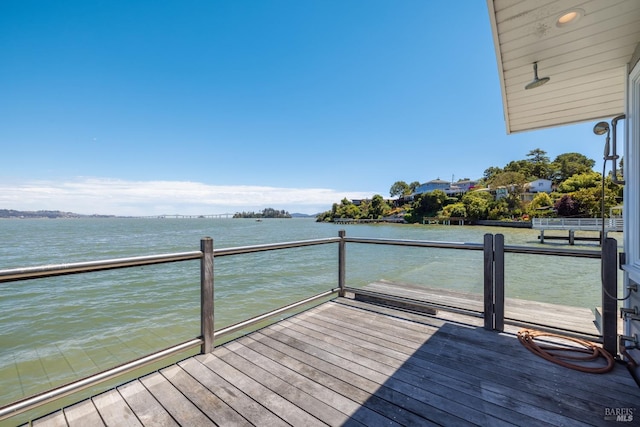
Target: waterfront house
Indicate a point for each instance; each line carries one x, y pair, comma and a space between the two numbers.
465, 185
566, 62
450, 188
436, 184
539, 186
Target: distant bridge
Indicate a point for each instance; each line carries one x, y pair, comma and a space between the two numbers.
180, 216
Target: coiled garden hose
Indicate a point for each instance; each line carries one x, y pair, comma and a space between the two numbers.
586, 358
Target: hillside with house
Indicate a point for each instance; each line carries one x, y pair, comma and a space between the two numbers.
522, 189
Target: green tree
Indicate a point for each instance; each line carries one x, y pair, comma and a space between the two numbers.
378, 207
540, 201
590, 201
476, 204
399, 188
540, 166
499, 209
491, 172
580, 181
568, 164
428, 204
522, 167
413, 186
346, 209
456, 210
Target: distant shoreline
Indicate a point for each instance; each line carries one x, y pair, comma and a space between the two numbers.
46, 214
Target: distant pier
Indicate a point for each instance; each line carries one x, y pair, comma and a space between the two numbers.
576, 224
443, 220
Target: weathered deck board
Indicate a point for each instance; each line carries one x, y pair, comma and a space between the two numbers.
393, 362
213, 407
148, 410
248, 408
114, 410
83, 414
353, 363
579, 319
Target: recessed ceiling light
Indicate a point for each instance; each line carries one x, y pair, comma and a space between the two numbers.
569, 17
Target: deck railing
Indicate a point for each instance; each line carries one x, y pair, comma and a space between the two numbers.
493, 249
592, 224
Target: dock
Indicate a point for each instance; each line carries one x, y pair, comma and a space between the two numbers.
573, 320
444, 220
576, 224
358, 363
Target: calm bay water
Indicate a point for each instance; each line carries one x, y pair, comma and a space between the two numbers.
57, 329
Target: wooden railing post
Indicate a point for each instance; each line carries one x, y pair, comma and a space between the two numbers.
498, 277
206, 295
342, 259
609, 295
488, 282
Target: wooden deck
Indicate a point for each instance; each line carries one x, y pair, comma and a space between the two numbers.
552, 316
349, 362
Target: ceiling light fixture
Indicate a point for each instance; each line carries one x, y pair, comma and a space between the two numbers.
569, 17
536, 82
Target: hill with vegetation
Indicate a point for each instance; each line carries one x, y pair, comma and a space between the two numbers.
577, 192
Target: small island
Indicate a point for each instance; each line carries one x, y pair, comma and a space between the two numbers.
266, 213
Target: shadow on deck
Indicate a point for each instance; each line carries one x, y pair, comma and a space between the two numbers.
348, 362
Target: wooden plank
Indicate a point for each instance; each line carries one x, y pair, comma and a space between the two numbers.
532, 407
275, 403
578, 319
146, 407
175, 403
340, 378
460, 299
438, 320
214, 407
380, 392
346, 362
350, 378
321, 402
452, 388
83, 414
255, 413
434, 407
114, 409
455, 389
52, 420
469, 339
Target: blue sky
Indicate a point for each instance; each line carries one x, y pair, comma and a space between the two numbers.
197, 107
